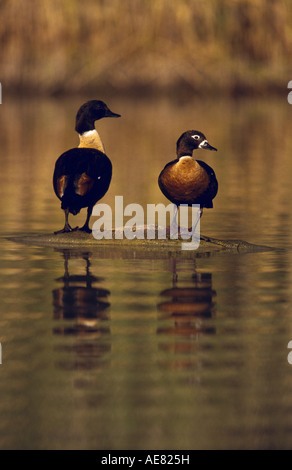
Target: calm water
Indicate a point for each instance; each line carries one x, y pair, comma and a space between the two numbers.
103, 350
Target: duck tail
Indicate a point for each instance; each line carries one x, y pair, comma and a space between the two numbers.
70, 200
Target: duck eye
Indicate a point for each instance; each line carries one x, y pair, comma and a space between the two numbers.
196, 137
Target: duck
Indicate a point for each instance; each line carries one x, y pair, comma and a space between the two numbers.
82, 175
185, 180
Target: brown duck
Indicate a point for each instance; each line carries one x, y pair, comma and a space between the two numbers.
186, 180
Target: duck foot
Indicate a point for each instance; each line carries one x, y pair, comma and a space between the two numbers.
67, 228
173, 230
185, 233
85, 228
181, 232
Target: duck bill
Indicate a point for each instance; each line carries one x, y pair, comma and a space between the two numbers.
109, 113
206, 146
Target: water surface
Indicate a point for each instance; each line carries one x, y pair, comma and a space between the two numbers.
125, 351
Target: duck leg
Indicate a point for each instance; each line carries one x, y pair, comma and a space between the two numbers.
67, 226
200, 213
173, 228
189, 232
85, 227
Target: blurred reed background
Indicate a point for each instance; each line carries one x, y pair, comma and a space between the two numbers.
235, 47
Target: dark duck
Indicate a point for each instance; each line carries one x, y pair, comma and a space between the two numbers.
83, 174
186, 180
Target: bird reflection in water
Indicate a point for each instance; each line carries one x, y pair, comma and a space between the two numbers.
185, 317
84, 309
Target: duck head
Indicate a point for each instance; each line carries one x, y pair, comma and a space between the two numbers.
192, 140
90, 112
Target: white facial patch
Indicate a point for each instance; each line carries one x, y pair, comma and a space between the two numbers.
203, 144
